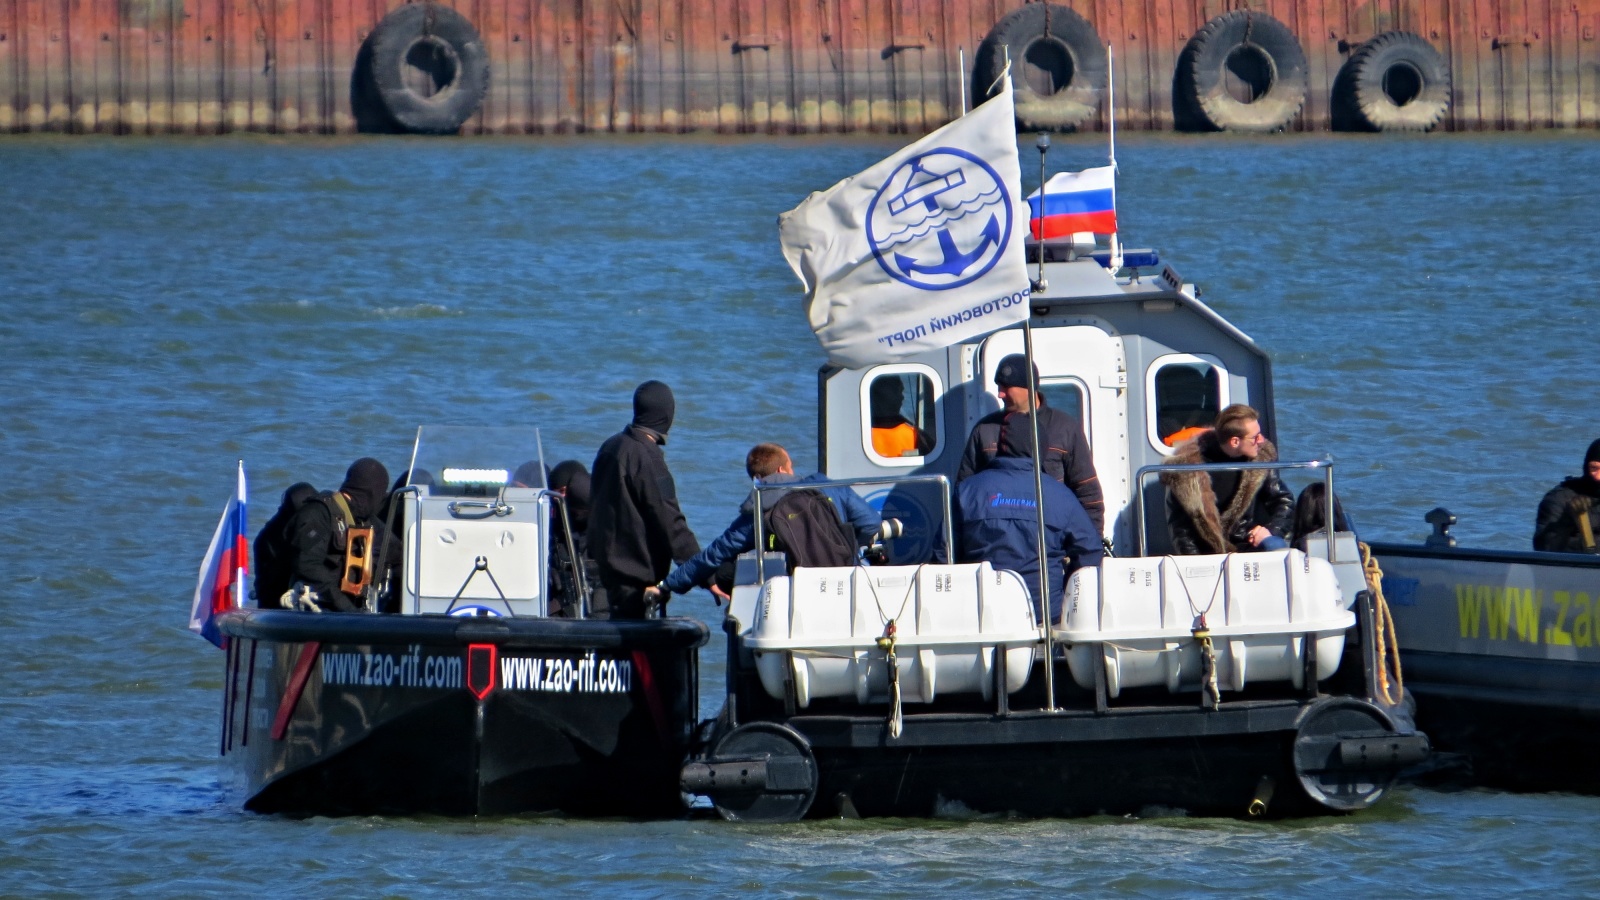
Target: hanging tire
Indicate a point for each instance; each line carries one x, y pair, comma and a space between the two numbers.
1395, 82
1058, 66
1243, 71
423, 70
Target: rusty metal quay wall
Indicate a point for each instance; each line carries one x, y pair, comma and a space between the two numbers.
214, 66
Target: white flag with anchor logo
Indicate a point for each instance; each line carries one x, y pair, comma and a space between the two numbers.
920, 251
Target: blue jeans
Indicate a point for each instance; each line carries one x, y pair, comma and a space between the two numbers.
1273, 543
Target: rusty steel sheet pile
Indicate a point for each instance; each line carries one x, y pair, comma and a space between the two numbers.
791, 66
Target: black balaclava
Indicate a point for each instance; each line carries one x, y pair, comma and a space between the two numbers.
572, 476
1592, 454
366, 484
295, 497
653, 407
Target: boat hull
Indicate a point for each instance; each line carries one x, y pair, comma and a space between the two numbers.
1501, 650
353, 714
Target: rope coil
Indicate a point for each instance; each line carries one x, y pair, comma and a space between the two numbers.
1383, 631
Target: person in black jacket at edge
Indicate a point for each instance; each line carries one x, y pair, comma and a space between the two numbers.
636, 528
571, 480
274, 555
1569, 517
321, 529
1221, 512
1066, 457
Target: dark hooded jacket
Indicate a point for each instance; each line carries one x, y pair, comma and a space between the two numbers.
636, 528
1556, 529
319, 532
274, 553
1066, 457
1213, 512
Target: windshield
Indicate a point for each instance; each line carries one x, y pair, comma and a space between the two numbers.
476, 459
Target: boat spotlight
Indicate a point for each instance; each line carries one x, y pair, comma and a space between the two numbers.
476, 477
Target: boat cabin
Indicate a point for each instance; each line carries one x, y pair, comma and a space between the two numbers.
1132, 352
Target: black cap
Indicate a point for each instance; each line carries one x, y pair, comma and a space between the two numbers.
366, 483
1592, 454
653, 407
1011, 372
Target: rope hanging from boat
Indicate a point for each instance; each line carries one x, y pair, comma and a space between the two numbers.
1210, 691
886, 642
1383, 632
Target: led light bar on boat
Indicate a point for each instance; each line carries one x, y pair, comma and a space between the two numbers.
498, 477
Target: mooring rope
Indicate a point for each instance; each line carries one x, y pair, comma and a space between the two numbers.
1383, 632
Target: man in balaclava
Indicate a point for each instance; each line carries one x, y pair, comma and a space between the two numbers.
571, 480
320, 535
636, 528
1569, 517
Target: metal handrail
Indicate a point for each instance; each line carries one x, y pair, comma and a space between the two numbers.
1325, 464
756, 488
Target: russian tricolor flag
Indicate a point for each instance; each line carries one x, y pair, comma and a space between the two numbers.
1076, 201
223, 573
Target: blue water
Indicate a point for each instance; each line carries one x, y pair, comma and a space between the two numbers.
168, 307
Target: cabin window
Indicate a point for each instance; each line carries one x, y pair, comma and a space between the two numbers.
1183, 395
899, 405
1067, 395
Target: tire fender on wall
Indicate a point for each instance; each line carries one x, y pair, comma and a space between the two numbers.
425, 41
1252, 52
1395, 82
1058, 66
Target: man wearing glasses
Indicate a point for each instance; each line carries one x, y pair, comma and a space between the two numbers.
1224, 512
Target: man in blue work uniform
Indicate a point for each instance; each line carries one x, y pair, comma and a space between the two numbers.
996, 518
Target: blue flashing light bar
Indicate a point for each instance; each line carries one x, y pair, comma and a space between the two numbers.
1131, 259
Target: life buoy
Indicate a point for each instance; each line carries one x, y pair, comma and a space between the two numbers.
1395, 82
422, 70
1243, 71
1058, 66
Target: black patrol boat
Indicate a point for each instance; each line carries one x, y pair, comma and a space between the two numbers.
1238, 684
1502, 650
471, 700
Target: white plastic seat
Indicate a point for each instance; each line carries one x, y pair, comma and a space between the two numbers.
952, 623
1136, 618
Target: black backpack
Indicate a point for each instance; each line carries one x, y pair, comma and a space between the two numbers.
805, 525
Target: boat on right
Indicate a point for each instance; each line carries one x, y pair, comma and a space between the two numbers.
1501, 649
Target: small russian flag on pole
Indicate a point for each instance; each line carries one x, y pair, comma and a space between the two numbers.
1076, 202
224, 572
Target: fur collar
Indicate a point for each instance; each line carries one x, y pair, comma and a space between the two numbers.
1194, 495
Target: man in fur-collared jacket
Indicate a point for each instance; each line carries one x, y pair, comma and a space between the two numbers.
1223, 512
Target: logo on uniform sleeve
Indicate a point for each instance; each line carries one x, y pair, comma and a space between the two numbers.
940, 221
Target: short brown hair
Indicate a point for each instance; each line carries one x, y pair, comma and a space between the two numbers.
764, 460
1230, 422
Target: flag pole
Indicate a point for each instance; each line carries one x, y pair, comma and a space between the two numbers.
1111, 150
1034, 394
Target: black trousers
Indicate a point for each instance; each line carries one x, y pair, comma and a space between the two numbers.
625, 600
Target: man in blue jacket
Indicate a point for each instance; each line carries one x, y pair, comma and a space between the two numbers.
768, 464
997, 518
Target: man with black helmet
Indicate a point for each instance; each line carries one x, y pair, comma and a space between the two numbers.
1066, 455
636, 528
1569, 516
321, 534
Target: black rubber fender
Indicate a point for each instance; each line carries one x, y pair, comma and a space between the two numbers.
1058, 66
1260, 55
1395, 82
427, 39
